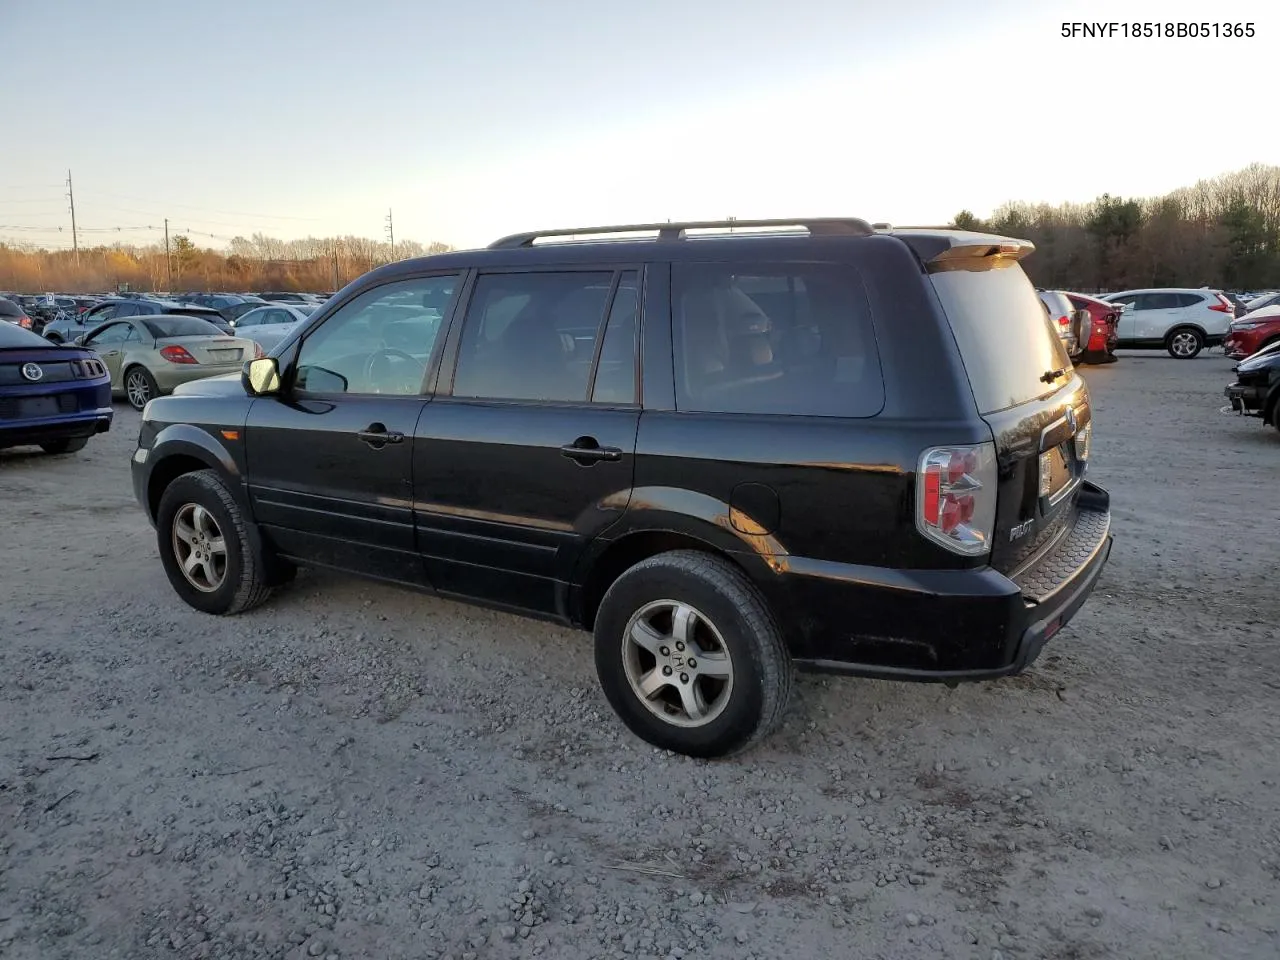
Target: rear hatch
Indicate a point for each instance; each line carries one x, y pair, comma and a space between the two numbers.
1026, 391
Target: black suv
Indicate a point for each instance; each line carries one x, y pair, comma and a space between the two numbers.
727, 449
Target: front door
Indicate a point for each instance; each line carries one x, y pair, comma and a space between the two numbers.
108, 343
527, 453
330, 460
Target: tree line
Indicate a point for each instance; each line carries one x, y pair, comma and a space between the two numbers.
1222, 232
258, 262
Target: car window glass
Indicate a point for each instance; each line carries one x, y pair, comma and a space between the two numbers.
1188, 299
131, 334
531, 336
380, 342
774, 338
112, 334
251, 319
125, 310
615, 377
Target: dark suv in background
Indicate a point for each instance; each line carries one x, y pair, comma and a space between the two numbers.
812, 444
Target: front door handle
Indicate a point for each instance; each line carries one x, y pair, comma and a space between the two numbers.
586, 451
377, 435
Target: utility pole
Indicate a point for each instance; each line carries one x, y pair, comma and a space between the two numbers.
75, 243
168, 264
391, 233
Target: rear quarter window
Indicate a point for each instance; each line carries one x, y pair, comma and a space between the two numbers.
774, 338
1006, 339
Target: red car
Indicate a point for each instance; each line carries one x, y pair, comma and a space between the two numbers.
1250, 333
1101, 347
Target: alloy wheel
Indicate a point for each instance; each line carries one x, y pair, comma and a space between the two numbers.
199, 547
1184, 344
138, 389
677, 663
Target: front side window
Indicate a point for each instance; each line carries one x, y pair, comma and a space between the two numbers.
764, 338
115, 333
379, 343
251, 319
532, 336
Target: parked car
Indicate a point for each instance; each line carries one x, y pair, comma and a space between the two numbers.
53, 397
1105, 321
268, 325
285, 296
1263, 302
68, 328
1239, 305
13, 314
1073, 325
845, 462
148, 356
1256, 390
1181, 321
235, 311
1250, 333
230, 305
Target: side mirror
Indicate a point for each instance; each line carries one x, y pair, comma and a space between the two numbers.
261, 377
79, 341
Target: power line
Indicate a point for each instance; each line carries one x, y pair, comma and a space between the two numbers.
192, 206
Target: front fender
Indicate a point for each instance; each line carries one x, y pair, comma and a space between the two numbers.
175, 449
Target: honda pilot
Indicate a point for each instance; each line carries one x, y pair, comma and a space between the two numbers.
728, 450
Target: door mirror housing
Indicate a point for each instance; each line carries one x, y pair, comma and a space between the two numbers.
79, 341
261, 377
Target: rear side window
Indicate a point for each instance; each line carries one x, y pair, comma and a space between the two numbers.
532, 336
1007, 342
1191, 299
774, 338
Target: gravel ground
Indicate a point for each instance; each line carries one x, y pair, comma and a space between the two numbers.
355, 771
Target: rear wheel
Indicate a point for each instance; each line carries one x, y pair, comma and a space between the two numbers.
68, 445
140, 387
208, 552
690, 656
1184, 343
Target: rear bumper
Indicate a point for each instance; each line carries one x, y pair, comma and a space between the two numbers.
27, 432
952, 625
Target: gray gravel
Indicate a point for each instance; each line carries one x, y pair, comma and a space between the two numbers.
355, 771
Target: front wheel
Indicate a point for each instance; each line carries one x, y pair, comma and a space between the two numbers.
208, 552
1185, 343
690, 656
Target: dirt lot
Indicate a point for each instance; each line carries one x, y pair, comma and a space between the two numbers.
354, 771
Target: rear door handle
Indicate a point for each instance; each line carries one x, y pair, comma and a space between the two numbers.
377, 435
586, 451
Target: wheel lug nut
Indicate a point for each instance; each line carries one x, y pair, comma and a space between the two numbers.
666, 671
692, 663
665, 651
684, 678
679, 646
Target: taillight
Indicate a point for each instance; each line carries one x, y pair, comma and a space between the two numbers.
177, 354
257, 351
1223, 305
1064, 321
956, 497
1084, 442
24, 322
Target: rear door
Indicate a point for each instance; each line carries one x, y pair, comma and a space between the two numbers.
527, 452
1026, 390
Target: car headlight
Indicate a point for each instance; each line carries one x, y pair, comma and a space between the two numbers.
1245, 326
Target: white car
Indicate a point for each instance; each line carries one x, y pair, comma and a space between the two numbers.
269, 324
1180, 320
1263, 302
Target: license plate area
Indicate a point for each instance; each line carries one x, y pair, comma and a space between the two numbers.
225, 356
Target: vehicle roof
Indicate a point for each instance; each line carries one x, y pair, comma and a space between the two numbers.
1203, 290
927, 242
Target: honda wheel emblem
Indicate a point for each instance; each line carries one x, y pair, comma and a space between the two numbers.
32, 371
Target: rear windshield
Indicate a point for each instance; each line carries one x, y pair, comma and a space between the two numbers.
180, 327
1005, 337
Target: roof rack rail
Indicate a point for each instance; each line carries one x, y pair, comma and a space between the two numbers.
817, 226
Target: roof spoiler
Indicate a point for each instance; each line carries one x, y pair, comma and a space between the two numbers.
1013, 249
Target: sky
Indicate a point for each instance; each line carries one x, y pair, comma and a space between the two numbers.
470, 121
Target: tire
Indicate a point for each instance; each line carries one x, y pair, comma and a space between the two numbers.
139, 387
744, 694
1184, 343
226, 583
68, 445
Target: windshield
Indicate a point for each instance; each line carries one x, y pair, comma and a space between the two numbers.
1009, 345
161, 327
